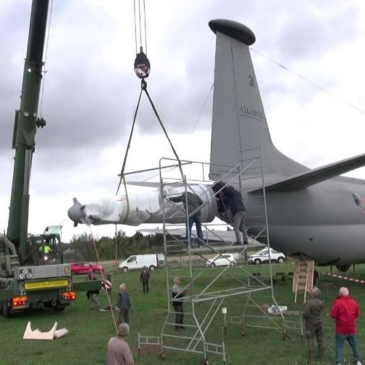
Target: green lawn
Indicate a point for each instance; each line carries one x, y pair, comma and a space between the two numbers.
90, 330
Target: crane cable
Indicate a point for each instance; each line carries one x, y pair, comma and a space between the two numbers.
142, 69
142, 65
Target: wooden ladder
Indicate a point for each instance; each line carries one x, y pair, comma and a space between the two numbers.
303, 278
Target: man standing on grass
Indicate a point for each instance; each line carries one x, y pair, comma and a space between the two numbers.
144, 278
118, 351
124, 305
313, 316
177, 295
345, 311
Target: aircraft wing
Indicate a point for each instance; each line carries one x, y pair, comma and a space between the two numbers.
312, 177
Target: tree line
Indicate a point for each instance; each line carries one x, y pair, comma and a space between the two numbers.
82, 247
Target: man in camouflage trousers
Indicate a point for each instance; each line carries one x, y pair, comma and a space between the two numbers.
313, 316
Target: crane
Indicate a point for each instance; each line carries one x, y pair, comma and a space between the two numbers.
32, 271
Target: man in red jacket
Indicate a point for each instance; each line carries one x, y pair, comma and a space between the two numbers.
345, 311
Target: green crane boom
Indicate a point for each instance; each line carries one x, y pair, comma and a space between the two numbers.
25, 126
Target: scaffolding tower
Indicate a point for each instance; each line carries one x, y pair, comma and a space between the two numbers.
236, 291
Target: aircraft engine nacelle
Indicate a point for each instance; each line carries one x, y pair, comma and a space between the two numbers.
147, 207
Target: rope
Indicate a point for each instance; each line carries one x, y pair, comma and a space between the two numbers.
310, 82
129, 141
163, 128
145, 24
103, 276
201, 110
135, 26
142, 29
122, 177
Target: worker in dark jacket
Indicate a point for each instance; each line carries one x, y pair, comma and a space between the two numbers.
234, 200
124, 305
313, 316
144, 278
194, 202
345, 311
92, 295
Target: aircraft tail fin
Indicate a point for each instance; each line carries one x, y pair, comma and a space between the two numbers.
239, 123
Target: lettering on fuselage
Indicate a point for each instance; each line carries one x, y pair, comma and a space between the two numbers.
251, 113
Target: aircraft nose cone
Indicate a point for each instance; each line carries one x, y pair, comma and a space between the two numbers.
76, 213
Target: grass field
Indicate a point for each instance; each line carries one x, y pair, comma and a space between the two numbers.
89, 330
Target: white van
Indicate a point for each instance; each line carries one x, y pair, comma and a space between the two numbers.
136, 262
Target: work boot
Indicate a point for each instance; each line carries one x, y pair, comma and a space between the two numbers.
237, 244
245, 242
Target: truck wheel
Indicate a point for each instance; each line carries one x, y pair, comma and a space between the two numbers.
47, 305
152, 268
125, 269
59, 308
5, 309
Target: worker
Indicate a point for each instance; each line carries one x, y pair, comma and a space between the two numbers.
345, 312
118, 351
177, 294
218, 188
144, 278
194, 202
92, 295
124, 304
313, 316
234, 200
44, 251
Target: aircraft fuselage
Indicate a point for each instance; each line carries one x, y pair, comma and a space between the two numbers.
325, 222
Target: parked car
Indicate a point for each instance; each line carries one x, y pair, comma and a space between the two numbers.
263, 256
84, 268
226, 259
137, 262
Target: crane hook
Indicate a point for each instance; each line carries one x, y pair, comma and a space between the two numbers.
142, 65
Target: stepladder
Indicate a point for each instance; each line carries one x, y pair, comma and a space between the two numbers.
303, 278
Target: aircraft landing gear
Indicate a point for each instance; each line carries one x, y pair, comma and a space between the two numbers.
343, 268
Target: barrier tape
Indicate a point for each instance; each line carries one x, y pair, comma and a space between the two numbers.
345, 278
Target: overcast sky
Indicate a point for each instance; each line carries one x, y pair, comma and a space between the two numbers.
91, 91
